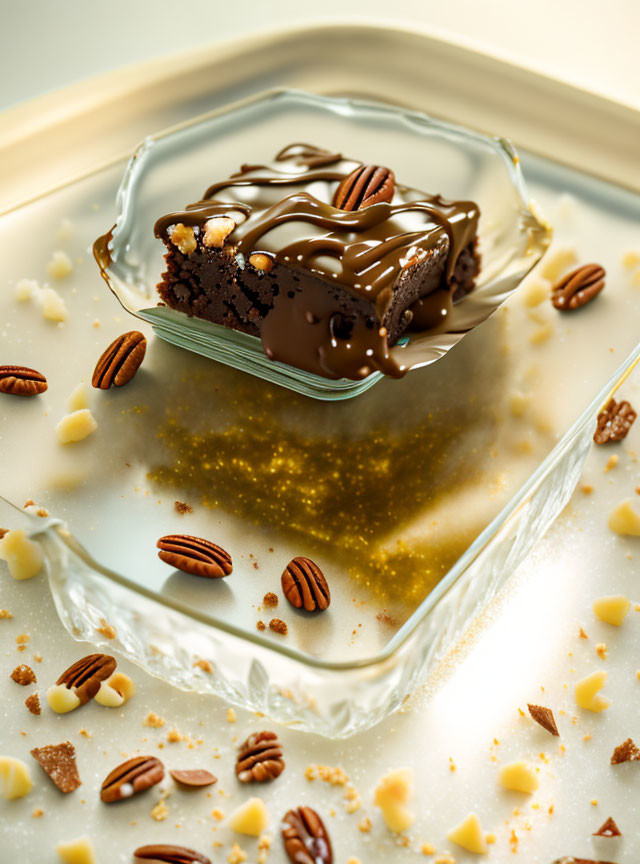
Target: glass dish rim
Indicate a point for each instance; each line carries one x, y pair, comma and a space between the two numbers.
404, 633
109, 247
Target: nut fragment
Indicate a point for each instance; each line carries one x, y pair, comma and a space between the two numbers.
260, 758
21, 381
167, 854
195, 556
305, 586
366, 185
613, 609
33, 703
306, 840
133, 776
519, 776
216, 231
195, 778
59, 762
544, 717
577, 288
625, 752
24, 675
608, 829
261, 261
614, 422
183, 236
15, 780
115, 690
120, 361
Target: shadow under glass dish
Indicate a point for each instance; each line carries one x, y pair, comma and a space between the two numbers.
175, 167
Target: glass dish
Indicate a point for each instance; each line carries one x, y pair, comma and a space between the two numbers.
174, 167
198, 651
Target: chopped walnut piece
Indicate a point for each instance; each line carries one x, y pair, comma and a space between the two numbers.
216, 231
278, 626
184, 238
608, 829
270, 599
625, 752
33, 703
614, 422
23, 675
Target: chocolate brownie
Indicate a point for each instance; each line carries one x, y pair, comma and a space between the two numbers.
327, 260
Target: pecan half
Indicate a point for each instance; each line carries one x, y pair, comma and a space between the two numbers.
133, 776
306, 840
260, 758
614, 422
21, 381
304, 585
194, 777
577, 288
86, 675
120, 362
170, 854
366, 185
195, 556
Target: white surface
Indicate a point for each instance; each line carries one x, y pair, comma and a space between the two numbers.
47, 45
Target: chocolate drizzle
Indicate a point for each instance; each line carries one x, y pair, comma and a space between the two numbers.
285, 210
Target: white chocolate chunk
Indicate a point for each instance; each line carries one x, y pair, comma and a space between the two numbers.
61, 699
15, 780
250, 818
519, 776
25, 289
115, 691
76, 426
78, 398
624, 520
79, 851
392, 796
535, 291
557, 261
24, 557
60, 265
587, 695
469, 835
612, 609
53, 306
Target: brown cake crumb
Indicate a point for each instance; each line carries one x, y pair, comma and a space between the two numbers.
625, 752
270, 599
33, 703
59, 762
106, 629
261, 625
182, 508
154, 720
4, 613
278, 626
24, 675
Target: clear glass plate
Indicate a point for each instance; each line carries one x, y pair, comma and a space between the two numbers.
173, 168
